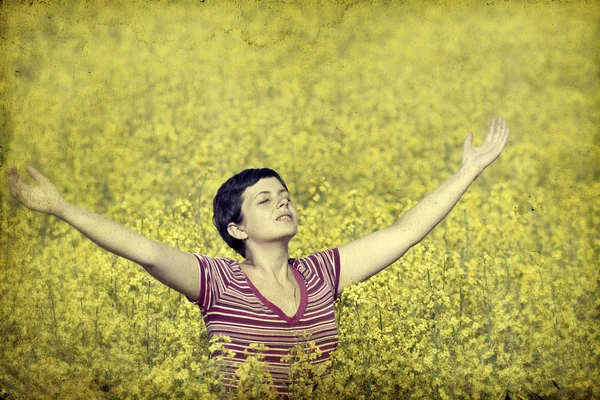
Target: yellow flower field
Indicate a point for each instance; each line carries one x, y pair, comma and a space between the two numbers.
140, 110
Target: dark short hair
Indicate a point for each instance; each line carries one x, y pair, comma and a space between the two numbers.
227, 204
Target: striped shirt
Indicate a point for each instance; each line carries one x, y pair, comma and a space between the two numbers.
231, 305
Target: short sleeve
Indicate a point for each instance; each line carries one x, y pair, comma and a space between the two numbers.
327, 265
213, 280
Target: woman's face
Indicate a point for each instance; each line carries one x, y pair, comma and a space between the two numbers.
268, 213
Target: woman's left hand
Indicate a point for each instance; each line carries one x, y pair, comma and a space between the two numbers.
480, 157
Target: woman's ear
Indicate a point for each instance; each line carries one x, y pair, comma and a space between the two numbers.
236, 232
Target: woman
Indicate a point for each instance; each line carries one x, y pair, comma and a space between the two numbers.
268, 298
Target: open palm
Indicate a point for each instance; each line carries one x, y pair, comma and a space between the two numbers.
44, 197
493, 144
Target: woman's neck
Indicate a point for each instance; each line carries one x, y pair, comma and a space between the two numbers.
269, 260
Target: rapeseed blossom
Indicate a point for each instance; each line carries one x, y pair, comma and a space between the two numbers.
362, 108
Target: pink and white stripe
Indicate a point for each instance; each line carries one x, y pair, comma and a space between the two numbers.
232, 306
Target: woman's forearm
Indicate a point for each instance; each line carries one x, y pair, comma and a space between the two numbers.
420, 219
108, 234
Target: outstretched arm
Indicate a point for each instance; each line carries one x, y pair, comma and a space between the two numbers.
173, 267
364, 257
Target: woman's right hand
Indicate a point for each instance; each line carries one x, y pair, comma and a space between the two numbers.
171, 266
45, 197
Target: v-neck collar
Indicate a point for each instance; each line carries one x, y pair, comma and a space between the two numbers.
303, 295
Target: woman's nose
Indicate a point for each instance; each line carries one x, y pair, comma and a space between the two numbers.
282, 202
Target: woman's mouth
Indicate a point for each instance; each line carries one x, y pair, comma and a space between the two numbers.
284, 217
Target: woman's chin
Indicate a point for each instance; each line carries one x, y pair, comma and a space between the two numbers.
290, 235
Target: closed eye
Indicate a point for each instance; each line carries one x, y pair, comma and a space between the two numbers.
264, 201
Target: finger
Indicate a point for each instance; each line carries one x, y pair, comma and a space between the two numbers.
13, 176
499, 123
37, 175
504, 129
468, 141
491, 128
15, 183
492, 131
497, 136
11, 179
503, 137
506, 136
8, 172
